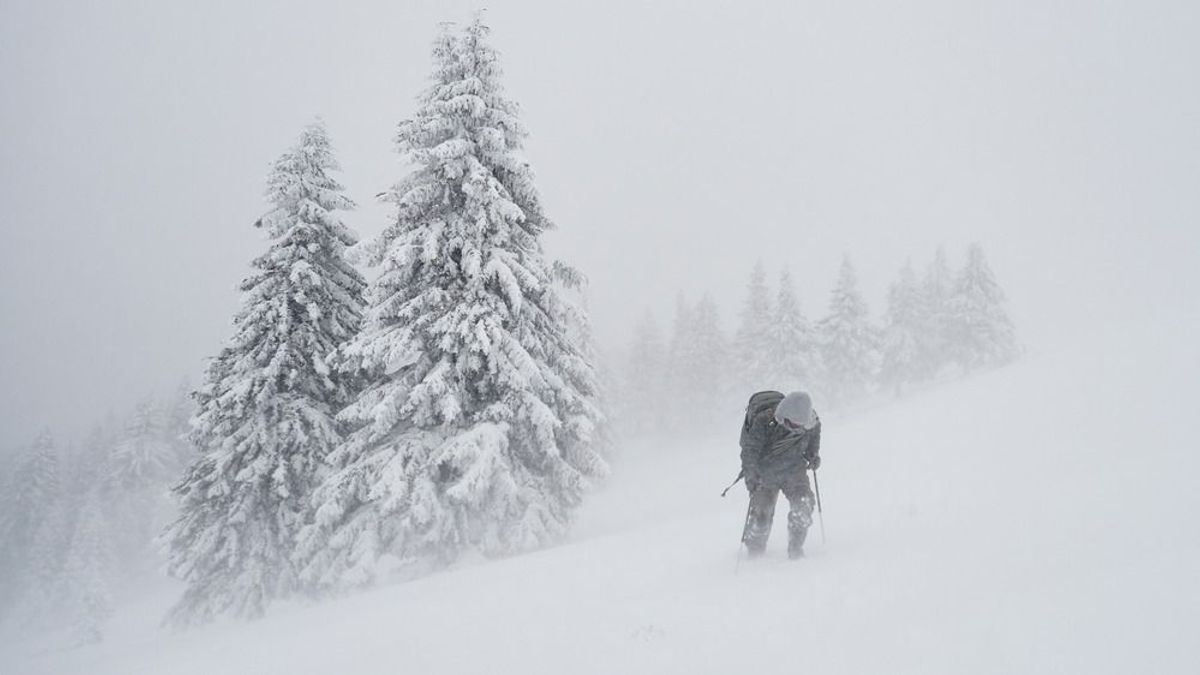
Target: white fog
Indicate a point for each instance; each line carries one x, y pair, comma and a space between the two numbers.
419, 336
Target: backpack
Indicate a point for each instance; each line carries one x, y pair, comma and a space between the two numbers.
760, 403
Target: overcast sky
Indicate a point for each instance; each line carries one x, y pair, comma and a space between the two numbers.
675, 144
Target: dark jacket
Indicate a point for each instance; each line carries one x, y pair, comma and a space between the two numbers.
772, 453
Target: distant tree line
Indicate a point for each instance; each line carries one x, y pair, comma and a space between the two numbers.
943, 324
78, 522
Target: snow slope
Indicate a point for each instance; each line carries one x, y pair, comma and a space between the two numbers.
1035, 519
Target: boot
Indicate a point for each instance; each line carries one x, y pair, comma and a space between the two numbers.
795, 551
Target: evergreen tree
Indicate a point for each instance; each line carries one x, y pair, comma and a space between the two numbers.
848, 341
9, 559
934, 310
753, 343
177, 413
476, 427
141, 470
141, 457
266, 410
646, 380
901, 358
41, 592
578, 321
701, 364
982, 331
36, 487
793, 346
676, 366
88, 570
91, 466
38, 530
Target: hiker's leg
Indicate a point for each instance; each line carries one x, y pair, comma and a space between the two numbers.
800, 509
758, 519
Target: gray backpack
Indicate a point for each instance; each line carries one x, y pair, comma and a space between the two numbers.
760, 403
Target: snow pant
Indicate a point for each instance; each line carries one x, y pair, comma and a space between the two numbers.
762, 512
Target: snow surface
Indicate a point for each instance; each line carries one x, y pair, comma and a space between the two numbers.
1040, 518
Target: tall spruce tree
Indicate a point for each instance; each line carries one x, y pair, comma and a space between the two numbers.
35, 492
142, 456
982, 332
177, 413
935, 334
39, 531
676, 367
901, 348
9, 557
752, 345
140, 470
266, 410
794, 358
475, 430
701, 365
646, 379
848, 341
89, 569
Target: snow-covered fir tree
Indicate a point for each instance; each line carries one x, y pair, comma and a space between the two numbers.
794, 358
177, 413
43, 517
571, 285
642, 402
41, 592
266, 410
700, 362
475, 431
903, 322
140, 471
9, 559
35, 493
141, 456
934, 310
752, 357
38, 485
91, 465
848, 341
675, 369
88, 570
982, 331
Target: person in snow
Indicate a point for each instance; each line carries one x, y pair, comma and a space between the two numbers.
781, 441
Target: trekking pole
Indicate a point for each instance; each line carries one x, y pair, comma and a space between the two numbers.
820, 515
735, 482
741, 540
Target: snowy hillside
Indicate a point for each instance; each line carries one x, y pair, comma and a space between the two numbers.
1034, 519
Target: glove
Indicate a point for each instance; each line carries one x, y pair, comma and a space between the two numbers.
814, 462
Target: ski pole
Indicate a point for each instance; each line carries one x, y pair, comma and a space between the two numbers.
820, 515
735, 482
742, 540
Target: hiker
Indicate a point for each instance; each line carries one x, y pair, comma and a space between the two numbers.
781, 441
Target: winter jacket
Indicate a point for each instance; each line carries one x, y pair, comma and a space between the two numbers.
772, 453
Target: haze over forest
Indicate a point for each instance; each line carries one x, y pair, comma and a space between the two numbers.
674, 144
